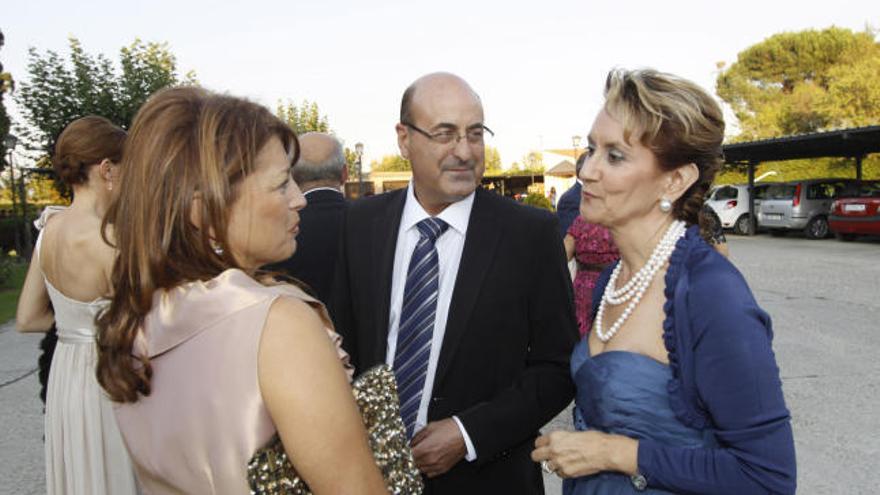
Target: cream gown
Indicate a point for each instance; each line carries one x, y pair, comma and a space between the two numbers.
84, 450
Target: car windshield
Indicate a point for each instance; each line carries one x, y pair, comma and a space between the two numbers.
761, 191
867, 189
780, 191
723, 193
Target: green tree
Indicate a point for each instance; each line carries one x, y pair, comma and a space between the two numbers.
302, 118
59, 90
805, 81
493, 161
538, 201
351, 159
6, 85
533, 162
390, 163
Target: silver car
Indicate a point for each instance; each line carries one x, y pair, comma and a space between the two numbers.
802, 205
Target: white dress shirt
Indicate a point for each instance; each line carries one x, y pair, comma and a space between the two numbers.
449, 247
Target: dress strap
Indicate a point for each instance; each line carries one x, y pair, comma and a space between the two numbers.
40, 224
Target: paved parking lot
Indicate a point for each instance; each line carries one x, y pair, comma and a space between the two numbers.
824, 298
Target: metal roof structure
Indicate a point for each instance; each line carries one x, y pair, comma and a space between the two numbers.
854, 143
843, 143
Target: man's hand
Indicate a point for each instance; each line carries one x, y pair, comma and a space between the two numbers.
438, 446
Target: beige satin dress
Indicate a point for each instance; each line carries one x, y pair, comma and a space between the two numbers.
84, 451
205, 417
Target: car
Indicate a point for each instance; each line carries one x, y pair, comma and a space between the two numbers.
856, 211
731, 203
800, 205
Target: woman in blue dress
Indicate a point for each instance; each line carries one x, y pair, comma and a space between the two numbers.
678, 390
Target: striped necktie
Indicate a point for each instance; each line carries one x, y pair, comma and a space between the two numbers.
417, 314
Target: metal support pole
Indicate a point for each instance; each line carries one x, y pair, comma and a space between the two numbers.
859, 167
753, 218
360, 180
26, 247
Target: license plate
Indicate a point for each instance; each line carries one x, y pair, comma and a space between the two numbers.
855, 207
773, 216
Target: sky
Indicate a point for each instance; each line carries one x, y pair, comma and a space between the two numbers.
538, 66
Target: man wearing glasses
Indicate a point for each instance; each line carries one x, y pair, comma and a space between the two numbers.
465, 294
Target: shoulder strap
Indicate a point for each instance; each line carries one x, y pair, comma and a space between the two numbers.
40, 224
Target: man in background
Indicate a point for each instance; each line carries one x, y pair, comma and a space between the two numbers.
320, 173
570, 202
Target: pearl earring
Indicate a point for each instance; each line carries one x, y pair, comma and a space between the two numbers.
216, 247
665, 205
109, 186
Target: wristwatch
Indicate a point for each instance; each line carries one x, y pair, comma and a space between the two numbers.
638, 482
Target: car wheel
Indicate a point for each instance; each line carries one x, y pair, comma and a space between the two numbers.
743, 225
817, 228
777, 232
845, 237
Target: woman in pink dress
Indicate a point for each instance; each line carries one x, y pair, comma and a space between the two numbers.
593, 248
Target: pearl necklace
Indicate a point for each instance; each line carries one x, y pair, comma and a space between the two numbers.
635, 288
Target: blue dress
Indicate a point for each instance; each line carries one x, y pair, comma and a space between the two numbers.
625, 393
714, 420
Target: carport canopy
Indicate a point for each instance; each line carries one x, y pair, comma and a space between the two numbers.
853, 143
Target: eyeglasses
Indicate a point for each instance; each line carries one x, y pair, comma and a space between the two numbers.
474, 135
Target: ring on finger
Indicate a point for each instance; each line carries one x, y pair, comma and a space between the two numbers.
545, 466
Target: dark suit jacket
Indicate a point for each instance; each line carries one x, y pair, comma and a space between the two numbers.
317, 244
504, 364
568, 207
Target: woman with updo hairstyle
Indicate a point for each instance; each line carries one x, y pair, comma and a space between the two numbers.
678, 390
67, 284
207, 358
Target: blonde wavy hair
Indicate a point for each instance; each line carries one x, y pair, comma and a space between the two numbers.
678, 121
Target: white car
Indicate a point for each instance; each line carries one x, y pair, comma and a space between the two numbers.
731, 203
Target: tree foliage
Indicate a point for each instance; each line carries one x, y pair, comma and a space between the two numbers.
493, 161
302, 118
60, 89
390, 163
6, 85
806, 81
803, 82
532, 162
538, 201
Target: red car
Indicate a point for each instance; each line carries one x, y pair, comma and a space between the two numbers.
856, 211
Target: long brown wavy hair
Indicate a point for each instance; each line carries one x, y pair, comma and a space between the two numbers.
677, 120
186, 152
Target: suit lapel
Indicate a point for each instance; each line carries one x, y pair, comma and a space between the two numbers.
385, 229
480, 243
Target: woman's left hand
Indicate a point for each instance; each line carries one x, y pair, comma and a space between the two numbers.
572, 454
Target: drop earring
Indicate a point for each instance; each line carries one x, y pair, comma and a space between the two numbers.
665, 205
216, 247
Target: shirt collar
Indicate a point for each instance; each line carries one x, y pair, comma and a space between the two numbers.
310, 191
456, 215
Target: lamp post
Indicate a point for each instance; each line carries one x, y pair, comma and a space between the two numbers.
359, 151
10, 142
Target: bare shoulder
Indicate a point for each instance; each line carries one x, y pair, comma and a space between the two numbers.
294, 326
